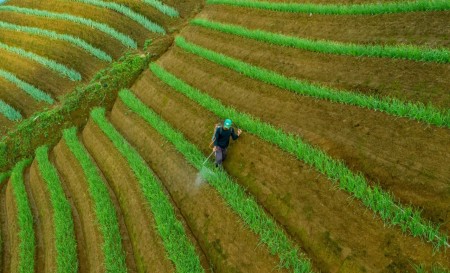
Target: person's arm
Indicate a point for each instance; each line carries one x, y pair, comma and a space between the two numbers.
234, 135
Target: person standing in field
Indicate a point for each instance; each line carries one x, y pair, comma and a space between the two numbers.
222, 140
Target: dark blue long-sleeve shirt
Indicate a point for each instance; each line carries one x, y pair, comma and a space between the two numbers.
222, 137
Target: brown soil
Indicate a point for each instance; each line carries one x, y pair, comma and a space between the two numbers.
11, 260
93, 36
405, 157
228, 243
44, 218
5, 124
59, 51
39, 227
5, 230
303, 201
417, 28
406, 80
149, 252
18, 99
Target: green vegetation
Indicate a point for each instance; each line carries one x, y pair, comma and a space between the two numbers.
9, 112
61, 69
339, 9
140, 19
147, 43
416, 111
103, 206
100, 54
245, 206
167, 10
374, 198
46, 127
124, 39
27, 245
34, 92
175, 240
66, 247
413, 53
4, 176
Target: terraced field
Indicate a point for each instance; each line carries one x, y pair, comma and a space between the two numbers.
343, 165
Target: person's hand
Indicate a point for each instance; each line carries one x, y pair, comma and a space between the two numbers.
215, 149
239, 132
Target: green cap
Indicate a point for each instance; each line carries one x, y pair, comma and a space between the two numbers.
227, 123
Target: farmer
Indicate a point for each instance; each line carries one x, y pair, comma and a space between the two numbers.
222, 140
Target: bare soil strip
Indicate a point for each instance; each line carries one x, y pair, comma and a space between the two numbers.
5, 229
11, 264
336, 234
149, 252
403, 156
87, 231
402, 79
18, 99
228, 244
404, 28
44, 219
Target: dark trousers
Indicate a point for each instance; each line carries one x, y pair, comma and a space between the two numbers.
221, 155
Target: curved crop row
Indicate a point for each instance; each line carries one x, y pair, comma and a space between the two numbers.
27, 245
407, 52
416, 111
374, 198
9, 112
245, 206
66, 247
51, 64
104, 208
175, 240
356, 9
100, 54
167, 10
124, 39
34, 92
142, 20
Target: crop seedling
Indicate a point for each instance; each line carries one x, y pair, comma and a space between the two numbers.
245, 206
167, 10
339, 9
375, 198
416, 111
124, 39
175, 240
66, 247
9, 112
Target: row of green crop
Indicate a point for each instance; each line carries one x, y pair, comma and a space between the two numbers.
114, 256
124, 39
34, 92
245, 206
374, 198
66, 247
353, 9
139, 18
407, 52
100, 54
174, 238
167, 10
51, 64
416, 111
27, 244
9, 112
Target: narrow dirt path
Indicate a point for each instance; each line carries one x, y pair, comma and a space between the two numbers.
44, 219
87, 232
5, 230
12, 263
149, 252
337, 234
228, 243
403, 156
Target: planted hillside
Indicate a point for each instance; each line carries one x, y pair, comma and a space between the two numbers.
417, 111
375, 198
124, 39
336, 9
244, 205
